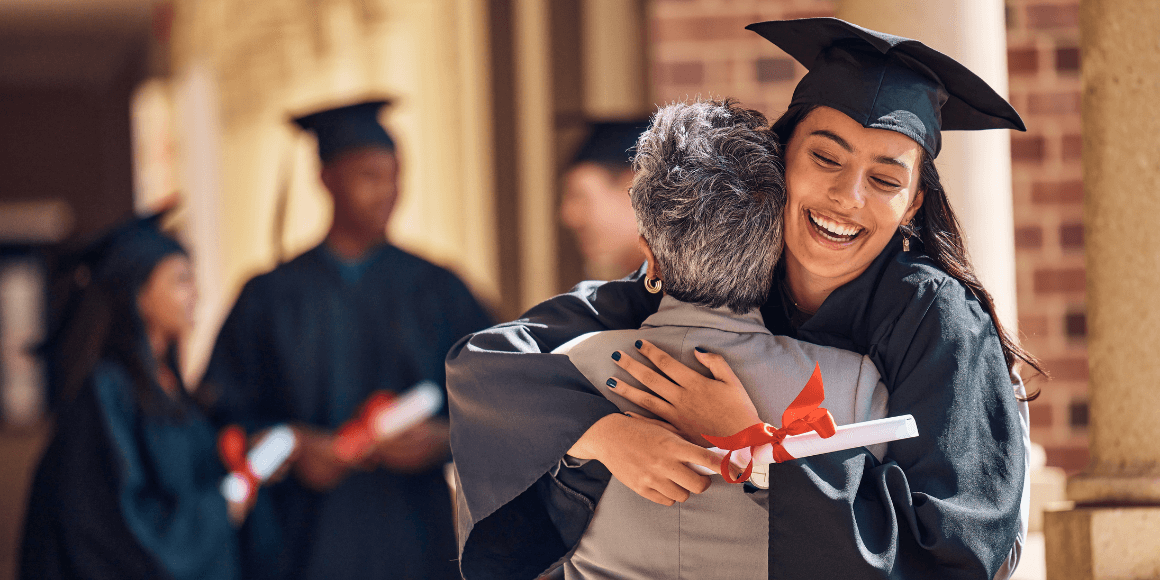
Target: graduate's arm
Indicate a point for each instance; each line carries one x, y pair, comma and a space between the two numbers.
516, 409
965, 470
944, 504
451, 312
186, 529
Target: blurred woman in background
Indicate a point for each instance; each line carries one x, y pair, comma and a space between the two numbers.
128, 487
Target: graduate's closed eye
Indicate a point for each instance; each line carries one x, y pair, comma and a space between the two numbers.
823, 160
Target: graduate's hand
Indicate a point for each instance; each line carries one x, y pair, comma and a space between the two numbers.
695, 404
416, 449
317, 467
647, 456
238, 510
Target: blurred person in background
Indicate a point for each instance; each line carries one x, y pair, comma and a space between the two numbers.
128, 487
596, 205
310, 341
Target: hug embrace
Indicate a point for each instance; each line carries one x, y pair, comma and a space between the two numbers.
823, 239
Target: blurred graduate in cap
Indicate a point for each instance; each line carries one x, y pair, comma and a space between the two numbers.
310, 341
128, 487
874, 263
596, 206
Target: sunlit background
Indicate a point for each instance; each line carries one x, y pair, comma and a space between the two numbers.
111, 105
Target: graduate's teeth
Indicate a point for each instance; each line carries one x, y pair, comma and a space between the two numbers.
833, 230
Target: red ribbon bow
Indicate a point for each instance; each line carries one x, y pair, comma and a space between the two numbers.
232, 449
357, 436
803, 415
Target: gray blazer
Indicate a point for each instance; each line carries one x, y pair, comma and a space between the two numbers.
720, 533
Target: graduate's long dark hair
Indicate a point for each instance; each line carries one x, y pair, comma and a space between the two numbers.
941, 238
99, 318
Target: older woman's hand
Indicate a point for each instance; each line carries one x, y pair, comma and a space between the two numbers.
695, 404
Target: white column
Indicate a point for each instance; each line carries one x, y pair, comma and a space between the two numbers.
200, 178
537, 179
975, 166
615, 59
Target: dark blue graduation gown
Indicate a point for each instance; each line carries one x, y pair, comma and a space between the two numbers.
309, 342
126, 494
942, 505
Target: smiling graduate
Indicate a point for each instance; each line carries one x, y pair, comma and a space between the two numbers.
874, 263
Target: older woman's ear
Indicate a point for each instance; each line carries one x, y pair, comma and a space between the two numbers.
653, 272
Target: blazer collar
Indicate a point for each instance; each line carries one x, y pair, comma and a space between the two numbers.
673, 312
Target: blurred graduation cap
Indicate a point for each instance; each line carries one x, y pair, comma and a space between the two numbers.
122, 258
887, 82
338, 129
347, 127
611, 143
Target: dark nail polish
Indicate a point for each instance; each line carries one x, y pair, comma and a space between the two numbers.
616, 355
639, 344
611, 383
700, 350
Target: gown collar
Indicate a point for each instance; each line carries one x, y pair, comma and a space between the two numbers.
351, 271
673, 312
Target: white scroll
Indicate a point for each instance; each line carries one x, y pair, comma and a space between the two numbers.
264, 459
849, 436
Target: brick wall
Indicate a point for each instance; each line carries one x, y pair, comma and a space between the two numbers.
1043, 61
699, 47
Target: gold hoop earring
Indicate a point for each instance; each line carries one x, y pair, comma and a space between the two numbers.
652, 285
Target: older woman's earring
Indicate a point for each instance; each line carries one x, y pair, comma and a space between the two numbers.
653, 285
905, 243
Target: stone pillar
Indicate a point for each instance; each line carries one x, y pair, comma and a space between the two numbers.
975, 166
535, 129
1114, 530
615, 59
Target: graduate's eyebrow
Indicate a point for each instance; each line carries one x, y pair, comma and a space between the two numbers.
846, 145
835, 138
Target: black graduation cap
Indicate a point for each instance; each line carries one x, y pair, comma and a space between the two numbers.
125, 256
887, 82
347, 127
611, 143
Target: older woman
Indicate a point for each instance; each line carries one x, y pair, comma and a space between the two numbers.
873, 263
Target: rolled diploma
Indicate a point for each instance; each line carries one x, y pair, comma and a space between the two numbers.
847, 437
416, 405
264, 459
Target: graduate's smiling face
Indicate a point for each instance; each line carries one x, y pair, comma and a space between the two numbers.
849, 189
364, 184
168, 299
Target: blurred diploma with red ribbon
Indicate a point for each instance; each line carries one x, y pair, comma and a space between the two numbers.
385, 415
249, 470
807, 429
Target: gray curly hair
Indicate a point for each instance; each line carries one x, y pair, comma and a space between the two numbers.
708, 194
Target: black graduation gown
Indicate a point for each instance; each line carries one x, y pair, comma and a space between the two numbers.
309, 342
125, 494
942, 505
